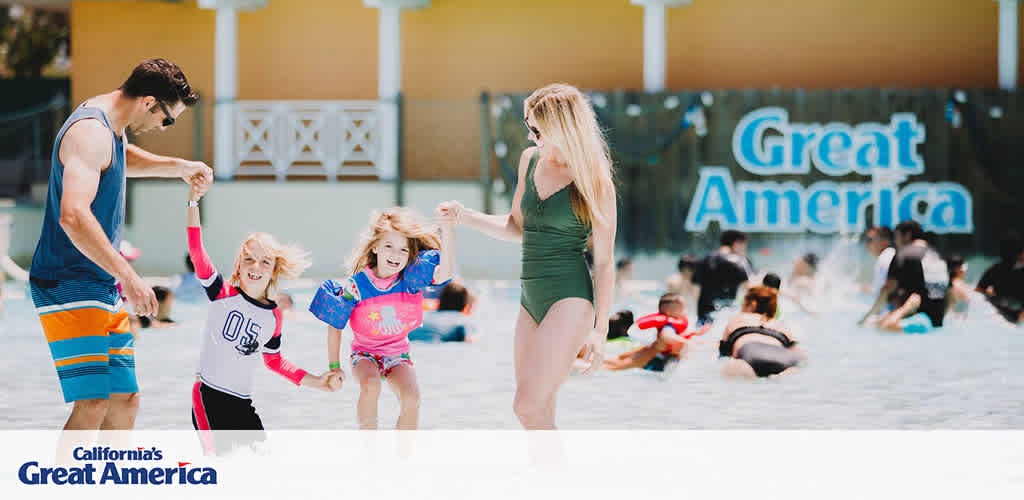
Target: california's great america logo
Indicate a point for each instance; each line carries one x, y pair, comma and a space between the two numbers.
108, 471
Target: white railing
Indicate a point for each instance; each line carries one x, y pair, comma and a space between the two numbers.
306, 138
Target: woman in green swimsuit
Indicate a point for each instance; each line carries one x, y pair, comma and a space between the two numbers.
564, 197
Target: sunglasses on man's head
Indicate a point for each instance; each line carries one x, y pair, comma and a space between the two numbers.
533, 130
168, 119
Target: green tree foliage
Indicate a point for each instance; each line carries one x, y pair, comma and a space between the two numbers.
32, 40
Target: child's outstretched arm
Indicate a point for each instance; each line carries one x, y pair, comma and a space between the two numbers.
275, 362
446, 267
669, 335
205, 271
194, 195
334, 349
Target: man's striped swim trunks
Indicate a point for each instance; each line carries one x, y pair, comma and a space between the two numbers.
87, 328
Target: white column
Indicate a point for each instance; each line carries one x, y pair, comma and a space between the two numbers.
226, 91
225, 85
389, 53
1008, 44
389, 84
655, 46
389, 80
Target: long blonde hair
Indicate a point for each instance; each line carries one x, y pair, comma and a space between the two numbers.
289, 260
565, 119
420, 235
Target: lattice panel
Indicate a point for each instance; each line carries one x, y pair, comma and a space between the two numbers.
305, 138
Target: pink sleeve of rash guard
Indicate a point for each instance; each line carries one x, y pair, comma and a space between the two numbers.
201, 261
272, 356
212, 281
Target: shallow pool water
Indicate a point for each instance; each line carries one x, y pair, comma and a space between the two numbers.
968, 375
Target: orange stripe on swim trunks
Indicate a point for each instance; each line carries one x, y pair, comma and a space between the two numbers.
122, 351
81, 359
63, 325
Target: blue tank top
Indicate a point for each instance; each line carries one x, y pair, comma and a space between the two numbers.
56, 258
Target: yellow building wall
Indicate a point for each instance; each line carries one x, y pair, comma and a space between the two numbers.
308, 49
109, 38
454, 49
833, 44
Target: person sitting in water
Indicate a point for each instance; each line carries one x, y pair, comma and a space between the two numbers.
287, 306
721, 274
618, 333
186, 286
918, 280
7, 265
1003, 283
623, 270
772, 280
959, 290
801, 279
285, 302
625, 289
878, 242
451, 321
618, 326
164, 301
759, 344
903, 315
670, 344
682, 282
431, 298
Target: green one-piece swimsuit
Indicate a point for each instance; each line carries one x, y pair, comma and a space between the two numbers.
554, 240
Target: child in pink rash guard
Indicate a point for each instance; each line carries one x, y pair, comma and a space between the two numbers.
382, 301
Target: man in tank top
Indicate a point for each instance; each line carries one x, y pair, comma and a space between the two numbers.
76, 266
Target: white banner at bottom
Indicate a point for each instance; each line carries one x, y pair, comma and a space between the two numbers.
514, 464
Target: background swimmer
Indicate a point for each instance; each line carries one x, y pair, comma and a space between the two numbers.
669, 345
681, 282
759, 344
452, 321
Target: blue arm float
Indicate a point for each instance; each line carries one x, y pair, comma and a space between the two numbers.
330, 306
420, 273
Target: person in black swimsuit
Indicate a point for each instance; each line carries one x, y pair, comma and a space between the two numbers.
721, 274
916, 287
1003, 283
758, 344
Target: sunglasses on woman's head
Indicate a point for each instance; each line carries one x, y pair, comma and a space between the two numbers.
168, 119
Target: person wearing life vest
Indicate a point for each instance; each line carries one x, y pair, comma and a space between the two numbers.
670, 344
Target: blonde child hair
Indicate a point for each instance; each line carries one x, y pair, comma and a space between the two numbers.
289, 260
420, 235
565, 118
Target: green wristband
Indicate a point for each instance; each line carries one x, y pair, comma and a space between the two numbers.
336, 365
